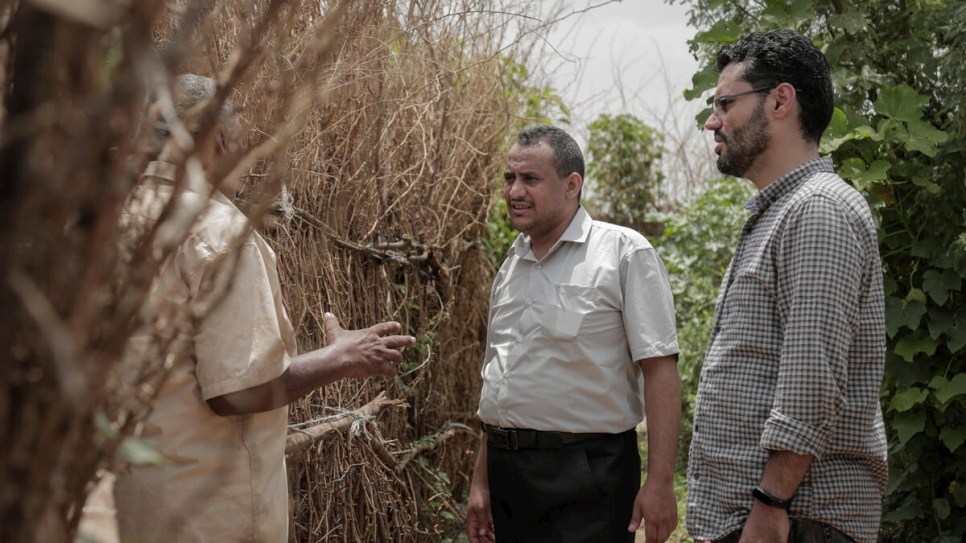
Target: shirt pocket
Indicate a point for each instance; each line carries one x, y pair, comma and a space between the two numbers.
566, 311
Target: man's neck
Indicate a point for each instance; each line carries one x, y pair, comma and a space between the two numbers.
778, 161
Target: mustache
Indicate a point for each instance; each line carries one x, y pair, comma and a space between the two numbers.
720, 134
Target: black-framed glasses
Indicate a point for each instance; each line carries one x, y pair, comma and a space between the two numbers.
720, 105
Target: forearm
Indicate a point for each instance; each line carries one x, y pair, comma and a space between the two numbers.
662, 407
784, 472
306, 372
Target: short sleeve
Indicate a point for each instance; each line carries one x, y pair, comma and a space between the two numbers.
239, 341
648, 306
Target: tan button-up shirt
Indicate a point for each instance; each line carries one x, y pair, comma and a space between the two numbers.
566, 331
224, 477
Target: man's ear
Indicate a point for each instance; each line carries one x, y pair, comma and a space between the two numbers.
785, 100
574, 184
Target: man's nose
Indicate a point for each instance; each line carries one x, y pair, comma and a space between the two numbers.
712, 122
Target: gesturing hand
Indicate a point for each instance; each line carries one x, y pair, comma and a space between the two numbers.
370, 351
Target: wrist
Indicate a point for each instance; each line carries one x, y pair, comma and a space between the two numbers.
770, 499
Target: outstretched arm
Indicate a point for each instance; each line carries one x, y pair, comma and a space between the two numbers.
655, 503
348, 353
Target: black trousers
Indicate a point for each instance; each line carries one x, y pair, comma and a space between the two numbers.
581, 492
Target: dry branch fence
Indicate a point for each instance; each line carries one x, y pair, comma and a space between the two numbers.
376, 130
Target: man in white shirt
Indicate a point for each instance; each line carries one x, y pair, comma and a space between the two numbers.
580, 311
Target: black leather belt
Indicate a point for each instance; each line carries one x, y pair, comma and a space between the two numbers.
513, 439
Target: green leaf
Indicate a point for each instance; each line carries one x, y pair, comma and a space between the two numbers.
908, 424
941, 507
702, 82
954, 387
722, 32
901, 313
855, 170
910, 345
852, 22
937, 285
140, 452
941, 321
907, 399
958, 490
921, 136
953, 438
901, 103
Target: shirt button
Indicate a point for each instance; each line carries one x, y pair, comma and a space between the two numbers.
695, 427
539, 266
519, 340
696, 475
529, 302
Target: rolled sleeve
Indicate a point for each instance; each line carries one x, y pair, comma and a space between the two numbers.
819, 276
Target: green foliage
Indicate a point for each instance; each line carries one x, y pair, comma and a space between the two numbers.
622, 156
897, 136
697, 246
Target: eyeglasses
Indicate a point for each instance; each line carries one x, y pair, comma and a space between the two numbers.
720, 105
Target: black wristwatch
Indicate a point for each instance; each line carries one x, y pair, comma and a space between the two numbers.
766, 498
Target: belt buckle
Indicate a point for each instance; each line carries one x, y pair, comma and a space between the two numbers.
504, 438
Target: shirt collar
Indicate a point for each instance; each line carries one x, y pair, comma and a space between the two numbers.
165, 173
788, 182
576, 232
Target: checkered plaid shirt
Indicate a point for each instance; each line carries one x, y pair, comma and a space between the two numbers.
795, 361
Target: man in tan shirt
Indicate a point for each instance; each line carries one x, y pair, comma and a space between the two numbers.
220, 416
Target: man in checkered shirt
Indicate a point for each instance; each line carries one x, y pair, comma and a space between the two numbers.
789, 443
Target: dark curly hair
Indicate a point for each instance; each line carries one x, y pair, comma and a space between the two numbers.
785, 56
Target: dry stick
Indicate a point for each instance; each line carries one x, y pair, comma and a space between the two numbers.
302, 439
429, 444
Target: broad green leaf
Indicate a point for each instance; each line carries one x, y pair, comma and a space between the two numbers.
901, 103
952, 438
907, 399
941, 321
855, 170
957, 336
937, 285
722, 32
932, 188
901, 313
958, 490
922, 136
909, 511
908, 424
941, 507
852, 22
954, 387
701, 82
910, 345
801, 11
916, 295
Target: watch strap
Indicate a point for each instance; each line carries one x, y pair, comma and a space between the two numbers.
770, 500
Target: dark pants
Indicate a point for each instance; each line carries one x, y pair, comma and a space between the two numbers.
802, 531
581, 492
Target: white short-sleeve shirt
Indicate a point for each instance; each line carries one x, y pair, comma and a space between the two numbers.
566, 331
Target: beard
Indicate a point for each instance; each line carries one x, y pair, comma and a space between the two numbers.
745, 144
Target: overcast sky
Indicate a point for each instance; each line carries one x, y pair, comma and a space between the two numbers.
637, 46
629, 57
